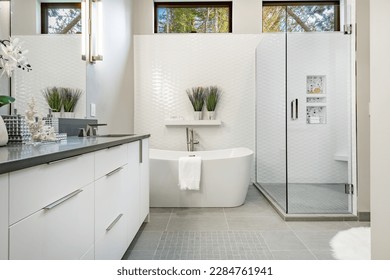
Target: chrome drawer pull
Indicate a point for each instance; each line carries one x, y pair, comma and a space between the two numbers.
116, 146
114, 222
114, 171
140, 151
64, 159
61, 200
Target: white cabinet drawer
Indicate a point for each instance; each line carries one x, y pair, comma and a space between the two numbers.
3, 216
33, 188
110, 215
66, 231
109, 159
113, 244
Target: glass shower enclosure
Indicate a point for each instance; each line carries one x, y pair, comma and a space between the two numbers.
305, 122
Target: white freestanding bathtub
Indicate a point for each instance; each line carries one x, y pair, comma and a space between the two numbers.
224, 180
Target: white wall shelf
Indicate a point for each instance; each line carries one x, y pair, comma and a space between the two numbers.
192, 122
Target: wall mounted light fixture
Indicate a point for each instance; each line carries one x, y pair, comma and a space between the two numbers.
92, 30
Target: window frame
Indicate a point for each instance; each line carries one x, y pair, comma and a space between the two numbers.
194, 4
336, 5
58, 5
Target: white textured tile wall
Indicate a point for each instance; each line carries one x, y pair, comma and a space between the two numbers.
56, 61
271, 109
167, 65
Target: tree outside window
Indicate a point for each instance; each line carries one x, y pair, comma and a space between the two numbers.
301, 16
194, 17
61, 18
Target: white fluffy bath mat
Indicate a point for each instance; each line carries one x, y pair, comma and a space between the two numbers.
352, 244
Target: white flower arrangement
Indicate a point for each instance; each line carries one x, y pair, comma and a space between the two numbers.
12, 56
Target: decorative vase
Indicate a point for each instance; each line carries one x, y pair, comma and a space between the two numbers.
3, 133
197, 115
211, 115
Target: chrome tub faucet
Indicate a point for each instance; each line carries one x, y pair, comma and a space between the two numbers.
190, 139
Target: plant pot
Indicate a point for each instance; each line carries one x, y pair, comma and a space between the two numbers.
3, 133
197, 115
56, 115
211, 115
68, 115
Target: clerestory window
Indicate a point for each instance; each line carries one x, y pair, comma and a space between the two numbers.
301, 16
192, 17
61, 18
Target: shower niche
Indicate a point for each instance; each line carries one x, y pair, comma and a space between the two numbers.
316, 114
316, 105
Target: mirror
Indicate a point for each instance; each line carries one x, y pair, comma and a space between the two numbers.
4, 34
55, 58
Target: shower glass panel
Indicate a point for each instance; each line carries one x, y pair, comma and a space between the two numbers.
319, 122
271, 117
304, 121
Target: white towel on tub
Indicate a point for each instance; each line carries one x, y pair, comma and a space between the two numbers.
189, 173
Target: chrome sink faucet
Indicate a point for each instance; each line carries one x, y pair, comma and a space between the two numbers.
93, 127
190, 139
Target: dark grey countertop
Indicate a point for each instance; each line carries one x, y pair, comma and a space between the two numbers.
17, 156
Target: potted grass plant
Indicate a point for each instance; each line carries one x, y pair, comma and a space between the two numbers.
53, 99
212, 95
70, 97
196, 96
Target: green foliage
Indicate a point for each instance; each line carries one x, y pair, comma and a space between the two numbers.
4, 100
53, 98
69, 97
196, 96
212, 96
193, 20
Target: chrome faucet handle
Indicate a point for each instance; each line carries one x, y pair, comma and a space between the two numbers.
82, 132
92, 128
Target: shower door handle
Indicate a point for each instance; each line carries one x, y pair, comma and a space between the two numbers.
294, 109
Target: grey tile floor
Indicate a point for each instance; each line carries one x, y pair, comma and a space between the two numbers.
251, 231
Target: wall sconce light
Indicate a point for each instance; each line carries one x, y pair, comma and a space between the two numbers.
92, 30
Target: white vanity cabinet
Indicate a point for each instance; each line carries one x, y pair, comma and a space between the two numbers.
3, 216
121, 198
110, 208
88, 206
52, 210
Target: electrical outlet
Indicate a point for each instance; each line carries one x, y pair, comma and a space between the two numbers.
93, 110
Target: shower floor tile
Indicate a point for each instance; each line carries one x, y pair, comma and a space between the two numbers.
310, 198
252, 231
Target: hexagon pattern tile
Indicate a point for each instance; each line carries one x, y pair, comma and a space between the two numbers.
56, 61
167, 65
312, 149
271, 109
